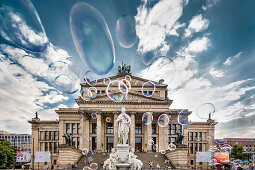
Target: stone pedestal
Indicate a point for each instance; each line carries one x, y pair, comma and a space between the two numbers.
122, 151
124, 166
68, 156
179, 157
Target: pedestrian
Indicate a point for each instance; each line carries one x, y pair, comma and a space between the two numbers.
158, 167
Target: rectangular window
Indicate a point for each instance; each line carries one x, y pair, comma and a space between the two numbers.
46, 136
138, 128
196, 147
200, 135
94, 128
50, 147
73, 128
173, 129
173, 140
191, 162
55, 135
55, 162
154, 128
68, 128
78, 143
78, 128
191, 148
169, 129
73, 141
179, 128
51, 137
109, 128
200, 147
55, 147
196, 135
138, 140
190, 136
46, 146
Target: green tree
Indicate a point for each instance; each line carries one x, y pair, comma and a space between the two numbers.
237, 152
7, 154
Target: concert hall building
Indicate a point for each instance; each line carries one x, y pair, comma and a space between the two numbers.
101, 135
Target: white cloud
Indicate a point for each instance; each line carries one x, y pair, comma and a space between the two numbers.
197, 24
198, 45
216, 73
209, 4
154, 24
229, 60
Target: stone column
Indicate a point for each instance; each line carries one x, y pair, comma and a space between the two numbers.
149, 134
82, 131
99, 132
166, 137
61, 131
162, 138
132, 130
115, 142
86, 136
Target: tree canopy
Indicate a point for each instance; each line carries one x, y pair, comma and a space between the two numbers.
7, 154
238, 152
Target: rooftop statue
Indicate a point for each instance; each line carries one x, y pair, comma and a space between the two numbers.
124, 69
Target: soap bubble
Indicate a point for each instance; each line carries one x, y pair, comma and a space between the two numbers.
62, 77
155, 146
20, 23
148, 89
127, 83
90, 78
93, 152
204, 110
213, 148
86, 94
93, 166
163, 120
16, 71
90, 159
163, 151
220, 141
108, 119
128, 78
199, 138
92, 37
106, 81
86, 168
114, 93
85, 151
212, 128
94, 115
150, 142
93, 92
183, 117
148, 57
171, 147
208, 138
30, 63
125, 31
124, 87
147, 118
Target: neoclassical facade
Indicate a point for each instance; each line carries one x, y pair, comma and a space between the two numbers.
100, 134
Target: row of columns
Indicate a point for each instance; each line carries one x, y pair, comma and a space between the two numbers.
84, 141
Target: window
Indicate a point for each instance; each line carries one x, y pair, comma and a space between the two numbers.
73, 128
154, 128
200, 146
138, 140
55, 162
138, 128
51, 137
109, 128
50, 146
73, 141
179, 128
173, 140
191, 162
196, 147
55, 147
191, 148
78, 128
169, 129
94, 128
46, 135
109, 139
55, 135
78, 143
196, 135
200, 163
173, 129
68, 129
190, 136
200, 136
46, 147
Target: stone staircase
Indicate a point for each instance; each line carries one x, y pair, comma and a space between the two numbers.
155, 157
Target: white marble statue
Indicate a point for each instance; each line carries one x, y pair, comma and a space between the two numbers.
111, 162
136, 164
124, 121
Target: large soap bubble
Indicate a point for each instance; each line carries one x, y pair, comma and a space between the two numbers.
125, 31
62, 77
20, 23
92, 38
163, 120
117, 91
30, 63
147, 118
148, 89
90, 78
205, 111
183, 117
148, 57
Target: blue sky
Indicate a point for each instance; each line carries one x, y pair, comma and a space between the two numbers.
207, 50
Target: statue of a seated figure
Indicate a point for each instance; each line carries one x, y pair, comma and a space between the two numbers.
111, 162
136, 164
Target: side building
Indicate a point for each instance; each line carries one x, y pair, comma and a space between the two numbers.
100, 133
19, 141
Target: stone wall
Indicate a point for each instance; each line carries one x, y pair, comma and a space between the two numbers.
179, 157
68, 156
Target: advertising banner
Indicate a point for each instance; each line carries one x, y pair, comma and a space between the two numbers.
203, 156
221, 157
22, 156
43, 156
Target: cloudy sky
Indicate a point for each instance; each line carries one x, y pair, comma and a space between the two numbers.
203, 49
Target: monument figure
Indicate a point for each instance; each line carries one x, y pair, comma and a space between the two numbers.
124, 121
67, 137
111, 162
179, 139
135, 163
